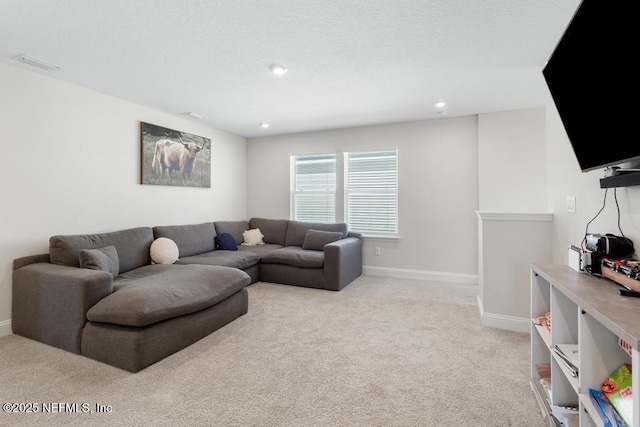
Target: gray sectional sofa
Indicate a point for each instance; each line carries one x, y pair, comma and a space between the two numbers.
101, 295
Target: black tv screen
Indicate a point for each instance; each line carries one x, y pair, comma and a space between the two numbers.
589, 76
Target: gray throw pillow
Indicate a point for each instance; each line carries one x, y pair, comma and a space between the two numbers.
105, 259
316, 239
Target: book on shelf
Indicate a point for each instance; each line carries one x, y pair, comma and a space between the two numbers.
569, 356
617, 388
544, 321
607, 413
625, 346
546, 386
544, 374
567, 416
543, 370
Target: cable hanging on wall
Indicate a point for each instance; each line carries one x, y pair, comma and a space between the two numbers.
593, 242
604, 204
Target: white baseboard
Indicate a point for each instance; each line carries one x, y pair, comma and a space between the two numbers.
433, 276
5, 328
502, 321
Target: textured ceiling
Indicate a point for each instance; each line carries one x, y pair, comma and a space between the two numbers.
351, 62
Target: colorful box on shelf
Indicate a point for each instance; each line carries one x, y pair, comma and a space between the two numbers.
617, 388
607, 413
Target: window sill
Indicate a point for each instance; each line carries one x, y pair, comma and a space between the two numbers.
381, 236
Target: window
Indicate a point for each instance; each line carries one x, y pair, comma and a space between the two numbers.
313, 187
370, 184
371, 191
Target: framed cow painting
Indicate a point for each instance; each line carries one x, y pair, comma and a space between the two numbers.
171, 157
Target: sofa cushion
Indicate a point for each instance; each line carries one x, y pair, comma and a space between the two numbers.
226, 242
260, 249
316, 239
131, 277
164, 251
105, 259
235, 259
295, 257
235, 228
297, 230
132, 246
191, 239
274, 230
177, 291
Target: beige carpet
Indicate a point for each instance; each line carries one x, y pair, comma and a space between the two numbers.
382, 352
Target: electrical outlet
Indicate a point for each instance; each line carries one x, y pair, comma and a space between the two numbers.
571, 204
377, 251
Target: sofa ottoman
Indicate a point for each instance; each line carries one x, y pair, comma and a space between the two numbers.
152, 317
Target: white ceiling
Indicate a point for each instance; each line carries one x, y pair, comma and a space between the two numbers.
351, 62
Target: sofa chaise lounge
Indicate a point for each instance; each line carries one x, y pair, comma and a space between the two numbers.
101, 295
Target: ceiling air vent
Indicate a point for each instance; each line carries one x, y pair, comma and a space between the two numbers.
38, 63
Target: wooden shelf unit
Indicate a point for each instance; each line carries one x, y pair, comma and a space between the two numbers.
586, 311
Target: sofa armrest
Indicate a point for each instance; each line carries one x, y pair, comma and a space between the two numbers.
342, 262
50, 302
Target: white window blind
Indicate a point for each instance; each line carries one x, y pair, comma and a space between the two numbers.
313, 187
371, 191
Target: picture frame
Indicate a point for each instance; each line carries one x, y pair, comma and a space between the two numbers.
174, 158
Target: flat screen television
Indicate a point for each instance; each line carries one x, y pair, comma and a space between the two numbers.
589, 76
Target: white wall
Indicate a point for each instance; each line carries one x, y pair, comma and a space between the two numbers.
438, 175
509, 243
566, 179
514, 220
512, 161
71, 165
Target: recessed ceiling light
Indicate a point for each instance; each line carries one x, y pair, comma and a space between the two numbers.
278, 70
194, 115
34, 62
264, 125
439, 104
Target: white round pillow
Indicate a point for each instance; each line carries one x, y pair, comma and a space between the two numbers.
164, 251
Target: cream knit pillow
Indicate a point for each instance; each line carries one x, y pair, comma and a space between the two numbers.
164, 251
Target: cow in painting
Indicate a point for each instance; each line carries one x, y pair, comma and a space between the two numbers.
175, 156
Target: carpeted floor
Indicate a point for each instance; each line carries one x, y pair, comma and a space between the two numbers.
381, 352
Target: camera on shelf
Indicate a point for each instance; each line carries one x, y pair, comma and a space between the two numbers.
609, 245
598, 247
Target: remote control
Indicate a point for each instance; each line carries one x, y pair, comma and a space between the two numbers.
628, 293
